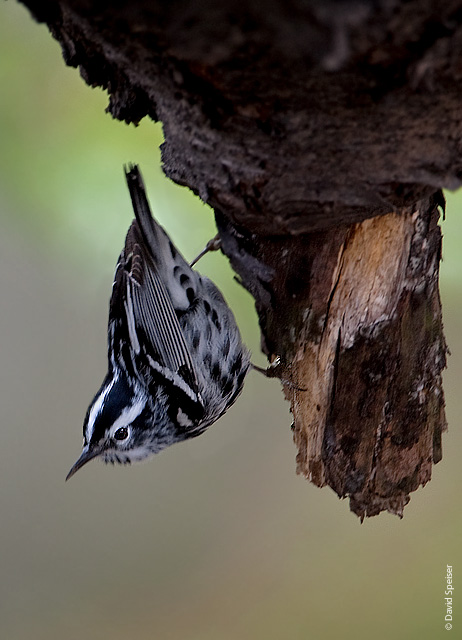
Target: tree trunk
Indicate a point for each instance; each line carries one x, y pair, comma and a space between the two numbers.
321, 133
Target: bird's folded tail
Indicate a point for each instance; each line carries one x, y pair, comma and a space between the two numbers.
175, 273
154, 236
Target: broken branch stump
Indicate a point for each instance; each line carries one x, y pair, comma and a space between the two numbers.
354, 314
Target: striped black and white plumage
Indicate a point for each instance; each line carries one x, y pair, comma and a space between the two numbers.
176, 359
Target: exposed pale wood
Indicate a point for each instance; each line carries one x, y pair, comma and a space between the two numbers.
371, 427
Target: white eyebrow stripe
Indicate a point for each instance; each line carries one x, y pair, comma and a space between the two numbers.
129, 414
96, 408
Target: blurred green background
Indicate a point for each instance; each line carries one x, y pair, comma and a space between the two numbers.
213, 539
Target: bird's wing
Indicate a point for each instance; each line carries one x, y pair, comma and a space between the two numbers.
140, 297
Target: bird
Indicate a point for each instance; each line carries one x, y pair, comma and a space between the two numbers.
176, 359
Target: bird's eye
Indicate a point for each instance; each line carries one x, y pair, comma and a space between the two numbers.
122, 433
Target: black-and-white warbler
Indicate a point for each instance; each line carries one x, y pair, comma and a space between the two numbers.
176, 359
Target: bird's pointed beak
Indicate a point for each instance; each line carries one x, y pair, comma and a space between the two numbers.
86, 456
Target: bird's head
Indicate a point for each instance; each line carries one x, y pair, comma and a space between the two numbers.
120, 425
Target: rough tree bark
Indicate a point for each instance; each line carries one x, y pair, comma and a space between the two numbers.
321, 134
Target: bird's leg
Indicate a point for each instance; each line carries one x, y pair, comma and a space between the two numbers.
212, 245
277, 370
